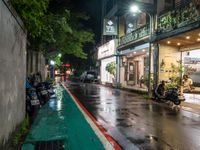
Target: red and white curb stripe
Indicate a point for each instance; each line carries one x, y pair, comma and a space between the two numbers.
108, 142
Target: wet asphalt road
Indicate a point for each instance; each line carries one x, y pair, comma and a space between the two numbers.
136, 123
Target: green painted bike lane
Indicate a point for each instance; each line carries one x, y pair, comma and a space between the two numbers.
60, 119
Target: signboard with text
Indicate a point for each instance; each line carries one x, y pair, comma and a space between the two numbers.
110, 26
108, 49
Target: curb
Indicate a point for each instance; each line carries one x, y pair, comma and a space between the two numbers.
98, 129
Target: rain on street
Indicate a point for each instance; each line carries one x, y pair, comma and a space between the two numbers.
136, 123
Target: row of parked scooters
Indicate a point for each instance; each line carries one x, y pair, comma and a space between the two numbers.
37, 93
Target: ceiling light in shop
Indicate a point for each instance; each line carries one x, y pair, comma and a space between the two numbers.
130, 25
188, 37
143, 50
134, 52
178, 44
130, 55
168, 42
198, 39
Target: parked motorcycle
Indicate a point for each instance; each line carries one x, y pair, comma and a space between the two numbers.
172, 94
49, 87
32, 101
42, 93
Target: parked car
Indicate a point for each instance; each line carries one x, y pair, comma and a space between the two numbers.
88, 76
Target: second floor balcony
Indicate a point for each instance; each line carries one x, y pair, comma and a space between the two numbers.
140, 33
182, 15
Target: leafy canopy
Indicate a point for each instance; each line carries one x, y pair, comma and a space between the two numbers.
49, 31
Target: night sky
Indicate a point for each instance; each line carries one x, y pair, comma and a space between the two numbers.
91, 7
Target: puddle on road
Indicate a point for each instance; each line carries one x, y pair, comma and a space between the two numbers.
149, 142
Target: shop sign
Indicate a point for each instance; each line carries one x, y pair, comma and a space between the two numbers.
107, 49
191, 60
110, 26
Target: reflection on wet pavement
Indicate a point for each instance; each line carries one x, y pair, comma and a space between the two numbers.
136, 123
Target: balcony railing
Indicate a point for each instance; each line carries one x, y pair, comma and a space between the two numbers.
182, 16
135, 35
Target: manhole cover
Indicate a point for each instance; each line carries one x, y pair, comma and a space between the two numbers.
49, 145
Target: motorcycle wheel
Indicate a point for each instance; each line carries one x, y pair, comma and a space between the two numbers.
177, 102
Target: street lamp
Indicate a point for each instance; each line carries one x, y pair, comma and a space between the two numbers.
60, 55
136, 9
52, 62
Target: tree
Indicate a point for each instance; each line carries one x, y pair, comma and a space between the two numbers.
61, 32
32, 12
110, 67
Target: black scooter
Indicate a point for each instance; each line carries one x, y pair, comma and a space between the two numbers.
42, 93
32, 102
172, 94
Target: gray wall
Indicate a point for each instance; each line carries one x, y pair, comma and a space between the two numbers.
12, 72
35, 63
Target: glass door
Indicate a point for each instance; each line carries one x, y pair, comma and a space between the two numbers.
131, 73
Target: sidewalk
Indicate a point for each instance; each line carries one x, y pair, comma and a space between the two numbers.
60, 125
192, 102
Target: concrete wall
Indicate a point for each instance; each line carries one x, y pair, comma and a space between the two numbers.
12, 72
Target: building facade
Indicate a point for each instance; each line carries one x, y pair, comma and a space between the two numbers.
107, 56
159, 43
178, 40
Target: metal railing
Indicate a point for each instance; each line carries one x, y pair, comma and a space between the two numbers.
135, 35
181, 16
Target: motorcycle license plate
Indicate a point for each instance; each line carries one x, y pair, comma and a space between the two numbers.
34, 97
44, 92
35, 102
50, 91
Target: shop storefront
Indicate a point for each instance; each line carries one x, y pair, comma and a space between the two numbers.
180, 55
106, 57
134, 67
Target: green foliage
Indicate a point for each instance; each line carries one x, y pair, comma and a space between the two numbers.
175, 80
146, 96
21, 132
145, 79
32, 12
61, 32
110, 67
57, 60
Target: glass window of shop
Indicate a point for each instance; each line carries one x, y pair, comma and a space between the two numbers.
191, 63
134, 22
